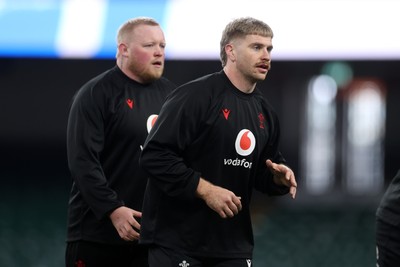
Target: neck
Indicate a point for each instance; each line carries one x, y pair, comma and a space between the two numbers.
123, 67
239, 80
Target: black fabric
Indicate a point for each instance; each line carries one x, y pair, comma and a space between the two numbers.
90, 254
196, 135
163, 257
388, 226
389, 207
388, 244
108, 122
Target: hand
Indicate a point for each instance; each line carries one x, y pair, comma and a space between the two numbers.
219, 199
124, 221
283, 175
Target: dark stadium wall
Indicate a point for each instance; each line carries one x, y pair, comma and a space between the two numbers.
35, 95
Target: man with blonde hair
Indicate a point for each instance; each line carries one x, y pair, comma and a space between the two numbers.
216, 139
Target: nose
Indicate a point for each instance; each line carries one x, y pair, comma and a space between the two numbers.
267, 54
159, 50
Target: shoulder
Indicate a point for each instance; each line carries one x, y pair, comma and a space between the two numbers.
165, 84
262, 99
196, 95
212, 79
268, 111
203, 86
165, 81
94, 91
101, 80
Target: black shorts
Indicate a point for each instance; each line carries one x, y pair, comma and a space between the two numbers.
163, 257
91, 254
387, 244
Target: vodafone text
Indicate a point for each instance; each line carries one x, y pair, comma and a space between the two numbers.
238, 162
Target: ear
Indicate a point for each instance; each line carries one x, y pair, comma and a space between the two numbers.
123, 49
229, 50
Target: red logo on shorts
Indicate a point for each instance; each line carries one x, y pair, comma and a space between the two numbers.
80, 263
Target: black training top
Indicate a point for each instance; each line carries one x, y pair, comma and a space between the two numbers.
389, 208
207, 128
108, 123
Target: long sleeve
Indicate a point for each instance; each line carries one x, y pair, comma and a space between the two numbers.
264, 179
85, 142
174, 130
109, 120
211, 129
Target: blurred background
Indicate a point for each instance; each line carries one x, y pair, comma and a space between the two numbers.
334, 82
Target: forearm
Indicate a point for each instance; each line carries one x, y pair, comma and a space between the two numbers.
168, 171
203, 188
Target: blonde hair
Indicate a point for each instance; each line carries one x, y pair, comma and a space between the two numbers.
126, 29
239, 28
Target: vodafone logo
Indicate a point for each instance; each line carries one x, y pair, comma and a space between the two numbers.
245, 142
150, 121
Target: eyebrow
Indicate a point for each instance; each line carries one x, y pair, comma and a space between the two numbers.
269, 47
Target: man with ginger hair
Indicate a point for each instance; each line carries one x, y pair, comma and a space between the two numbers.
109, 119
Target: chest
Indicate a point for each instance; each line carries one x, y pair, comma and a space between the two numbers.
132, 113
238, 125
